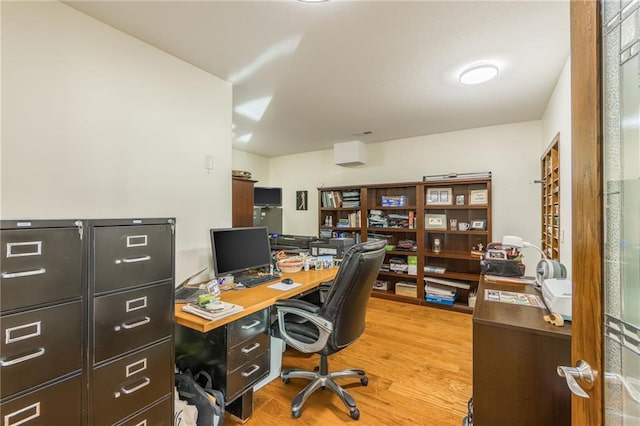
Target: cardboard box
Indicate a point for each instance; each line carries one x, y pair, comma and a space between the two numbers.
413, 265
408, 289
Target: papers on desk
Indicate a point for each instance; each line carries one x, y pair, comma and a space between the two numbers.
217, 311
283, 286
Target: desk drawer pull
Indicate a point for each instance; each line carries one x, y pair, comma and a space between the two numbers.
251, 348
252, 370
133, 259
34, 408
251, 324
126, 391
126, 326
33, 355
24, 273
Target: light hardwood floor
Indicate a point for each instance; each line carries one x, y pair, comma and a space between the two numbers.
418, 361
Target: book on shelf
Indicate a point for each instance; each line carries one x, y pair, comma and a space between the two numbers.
213, 311
431, 269
444, 281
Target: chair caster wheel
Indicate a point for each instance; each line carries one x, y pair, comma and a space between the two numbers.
355, 414
286, 380
364, 381
296, 414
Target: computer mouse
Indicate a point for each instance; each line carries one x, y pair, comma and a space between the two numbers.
287, 281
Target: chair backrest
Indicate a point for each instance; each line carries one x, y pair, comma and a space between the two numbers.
346, 302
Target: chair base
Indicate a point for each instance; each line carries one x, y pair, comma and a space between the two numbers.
322, 378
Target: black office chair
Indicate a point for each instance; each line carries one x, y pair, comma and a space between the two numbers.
334, 325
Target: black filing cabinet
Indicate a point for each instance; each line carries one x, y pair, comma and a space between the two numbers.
131, 321
42, 321
236, 355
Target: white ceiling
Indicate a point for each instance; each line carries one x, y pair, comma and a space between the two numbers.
312, 75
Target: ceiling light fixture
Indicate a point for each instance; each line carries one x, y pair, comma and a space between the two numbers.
478, 74
312, 1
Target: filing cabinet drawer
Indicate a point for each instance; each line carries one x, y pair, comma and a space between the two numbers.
126, 256
247, 327
39, 345
247, 350
39, 265
246, 376
160, 414
131, 319
131, 383
58, 404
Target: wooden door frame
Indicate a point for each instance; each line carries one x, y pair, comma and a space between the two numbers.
587, 190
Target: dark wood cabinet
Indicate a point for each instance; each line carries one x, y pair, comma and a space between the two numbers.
515, 355
242, 202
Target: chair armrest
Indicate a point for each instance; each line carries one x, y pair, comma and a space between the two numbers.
326, 285
297, 303
309, 312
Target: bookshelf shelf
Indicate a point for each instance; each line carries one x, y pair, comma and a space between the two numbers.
460, 266
550, 214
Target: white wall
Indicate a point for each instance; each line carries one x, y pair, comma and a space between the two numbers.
511, 152
96, 124
557, 119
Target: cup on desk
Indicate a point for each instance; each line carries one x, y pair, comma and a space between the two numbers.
463, 226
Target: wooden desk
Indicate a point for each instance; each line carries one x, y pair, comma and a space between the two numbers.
235, 350
256, 298
515, 355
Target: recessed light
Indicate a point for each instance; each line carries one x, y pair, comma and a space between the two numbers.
312, 1
478, 74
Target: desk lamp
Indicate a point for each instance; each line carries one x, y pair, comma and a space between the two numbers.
517, 242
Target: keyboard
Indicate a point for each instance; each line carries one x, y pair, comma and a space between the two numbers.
183, 294
256, 280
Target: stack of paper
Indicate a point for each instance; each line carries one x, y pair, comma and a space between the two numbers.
439, 290
213, 311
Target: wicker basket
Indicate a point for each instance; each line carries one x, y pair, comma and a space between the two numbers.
291, 264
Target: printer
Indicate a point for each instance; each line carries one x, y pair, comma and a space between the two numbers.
557, 294
335, 247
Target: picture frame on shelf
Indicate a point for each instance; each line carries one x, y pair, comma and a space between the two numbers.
478, 197
439, 196
453, 224
435, 221
478, 224
460, 200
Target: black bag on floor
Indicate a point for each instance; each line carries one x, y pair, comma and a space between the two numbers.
195, 390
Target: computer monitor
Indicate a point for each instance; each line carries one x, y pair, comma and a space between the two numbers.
239, 249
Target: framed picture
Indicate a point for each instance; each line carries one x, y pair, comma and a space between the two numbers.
439, 196
460, 200
478, 224
301, 200
453, 224
435, 221
478, 196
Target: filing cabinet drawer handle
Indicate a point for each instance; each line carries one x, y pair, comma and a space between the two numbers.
133, 259
20, 252
35, 408
251, 348
33, 355
252, 370
24, 273
126, 391
251, 325
146, 320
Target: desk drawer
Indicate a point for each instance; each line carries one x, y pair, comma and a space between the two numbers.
131, 383
39, 265
246, 376
131, 319
247, 327
58, 404
247, 350
39, 345
126, 256
160, 414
